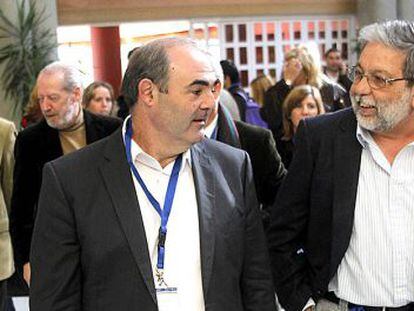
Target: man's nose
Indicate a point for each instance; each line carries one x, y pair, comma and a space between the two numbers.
209, 100
45, 105
360, 87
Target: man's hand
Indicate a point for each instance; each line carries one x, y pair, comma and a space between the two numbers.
343, 69
27, 273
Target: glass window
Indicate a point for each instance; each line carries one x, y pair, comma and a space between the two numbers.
297, 30
334, 26
242, 32
229, 33
272, 54
311, 30
270, 29
285, 31
259, 55
321, 30
230, 54
243, 55
344, 29
258, 32
244, 75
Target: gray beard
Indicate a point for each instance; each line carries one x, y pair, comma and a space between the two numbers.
388, 115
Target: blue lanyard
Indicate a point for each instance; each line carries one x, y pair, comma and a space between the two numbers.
169, 197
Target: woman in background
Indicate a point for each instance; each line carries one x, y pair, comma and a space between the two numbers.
259, 86
302, 102
32, 112
98, 98
300, 68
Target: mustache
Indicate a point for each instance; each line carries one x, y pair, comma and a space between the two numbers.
358, 100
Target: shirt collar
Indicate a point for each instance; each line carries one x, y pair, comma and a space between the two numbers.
363, 136
141, 156
209, 130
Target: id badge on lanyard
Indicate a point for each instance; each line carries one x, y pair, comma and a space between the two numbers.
167, 295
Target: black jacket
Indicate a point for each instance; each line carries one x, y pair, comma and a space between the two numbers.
95, 256
268, 170
313, 215
34, 147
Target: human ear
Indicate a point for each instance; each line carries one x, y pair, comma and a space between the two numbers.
146, 89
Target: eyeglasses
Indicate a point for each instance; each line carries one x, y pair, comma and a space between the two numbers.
374, 80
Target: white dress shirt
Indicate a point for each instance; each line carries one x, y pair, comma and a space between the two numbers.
182, 267
378, 266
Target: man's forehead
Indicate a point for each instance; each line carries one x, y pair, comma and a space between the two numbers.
192, 64
376, 56
51, 78
186, 55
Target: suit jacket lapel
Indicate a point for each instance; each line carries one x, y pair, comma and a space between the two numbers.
347, 155
119, 183
227, 131
205, 191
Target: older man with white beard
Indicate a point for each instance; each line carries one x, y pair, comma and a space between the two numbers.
65, 128
341, 236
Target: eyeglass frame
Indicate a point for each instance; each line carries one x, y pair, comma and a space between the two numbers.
351, 75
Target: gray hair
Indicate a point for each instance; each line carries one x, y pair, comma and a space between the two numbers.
72, 77
151, 62
398, 35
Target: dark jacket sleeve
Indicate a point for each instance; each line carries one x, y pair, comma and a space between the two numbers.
288, 227
256, 283
271, 111
55, 254
268, 169
26, 185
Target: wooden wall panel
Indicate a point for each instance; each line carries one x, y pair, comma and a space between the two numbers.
107, 12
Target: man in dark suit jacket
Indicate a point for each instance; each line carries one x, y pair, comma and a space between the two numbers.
111, 247
66, 127
268, 169
347, 191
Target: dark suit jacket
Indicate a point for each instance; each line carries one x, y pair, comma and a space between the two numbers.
286, 150
89, 223
268, 170
313, 215
34, 147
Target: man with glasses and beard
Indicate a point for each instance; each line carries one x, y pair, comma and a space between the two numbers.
65, 128
341, 232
